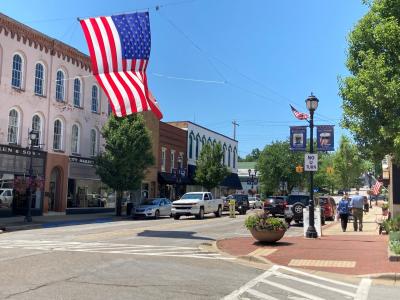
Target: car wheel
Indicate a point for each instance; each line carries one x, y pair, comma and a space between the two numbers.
176, 217
157, 214
218, 213
200, 216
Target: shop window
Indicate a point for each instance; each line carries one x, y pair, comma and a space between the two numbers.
57, 137
84, 193
77, 92
39, 79
13, 127
16, 76
60, 86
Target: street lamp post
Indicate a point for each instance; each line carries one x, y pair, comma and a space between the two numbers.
252, 178
312, 104
32, 138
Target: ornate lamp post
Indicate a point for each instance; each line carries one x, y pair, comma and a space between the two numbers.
312, 105
33, 135
252, 177
178, 176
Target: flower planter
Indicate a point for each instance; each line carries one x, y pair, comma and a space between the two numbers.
267, 236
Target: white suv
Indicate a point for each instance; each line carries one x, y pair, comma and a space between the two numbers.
6, 197
255, 202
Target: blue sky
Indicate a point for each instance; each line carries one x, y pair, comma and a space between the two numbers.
251, 57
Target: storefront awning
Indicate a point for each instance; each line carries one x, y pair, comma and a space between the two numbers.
169, 178
232, 181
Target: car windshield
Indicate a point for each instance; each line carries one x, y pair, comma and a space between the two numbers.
298, 198
151, 202
196, 196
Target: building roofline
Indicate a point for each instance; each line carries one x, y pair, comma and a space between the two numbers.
37, 39
205, 129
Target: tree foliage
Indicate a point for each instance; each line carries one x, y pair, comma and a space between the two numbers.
371, 94
253, 156
127, 154
210, 171
278, 163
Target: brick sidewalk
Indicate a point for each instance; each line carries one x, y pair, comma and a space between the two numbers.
351, 253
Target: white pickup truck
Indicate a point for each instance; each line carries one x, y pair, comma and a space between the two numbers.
197, 204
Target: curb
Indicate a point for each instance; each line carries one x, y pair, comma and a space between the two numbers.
384, 276
6, 229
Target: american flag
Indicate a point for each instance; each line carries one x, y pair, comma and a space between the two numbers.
299, 115
119, 48
376, 188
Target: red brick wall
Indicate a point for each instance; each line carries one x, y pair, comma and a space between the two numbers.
172, 138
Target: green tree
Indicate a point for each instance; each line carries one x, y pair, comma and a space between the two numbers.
276, 163
371, 94
323, 178
127, 155
210, 171
348, 164
253, 156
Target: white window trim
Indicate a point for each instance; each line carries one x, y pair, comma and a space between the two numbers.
98, 99
78, 143
43, 80
94, 152
21, 87
64, 86
18, 125
80, 92
61, 135
40, 141
163, 158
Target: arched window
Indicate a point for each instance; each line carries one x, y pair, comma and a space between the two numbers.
203, 141
37, 127
93, 142
229, 156
13, 127
75, 139
197, 146
190, 146
60, 86
224, 154
77, 92
39, 79
234, 158
16, 79
95, 99
57, 135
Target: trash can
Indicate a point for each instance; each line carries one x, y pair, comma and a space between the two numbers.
129, 207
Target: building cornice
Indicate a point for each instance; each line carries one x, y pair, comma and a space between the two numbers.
33, 38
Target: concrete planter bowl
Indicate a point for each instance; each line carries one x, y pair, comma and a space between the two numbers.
267, 236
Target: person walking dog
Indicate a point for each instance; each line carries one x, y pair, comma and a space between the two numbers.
344, 210
357, 206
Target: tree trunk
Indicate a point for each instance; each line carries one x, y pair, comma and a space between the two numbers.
118, 204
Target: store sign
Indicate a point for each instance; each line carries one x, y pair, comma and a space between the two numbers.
6, 149
311, 162
81, 160
298, 138
325, 138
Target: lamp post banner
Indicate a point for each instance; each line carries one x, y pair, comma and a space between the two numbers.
298, 138
325, 138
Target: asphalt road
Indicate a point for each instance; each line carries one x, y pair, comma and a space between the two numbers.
147, 259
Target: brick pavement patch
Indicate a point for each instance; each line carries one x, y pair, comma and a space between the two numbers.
322, 263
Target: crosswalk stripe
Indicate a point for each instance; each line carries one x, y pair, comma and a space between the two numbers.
108, 248
292, 290
260, 295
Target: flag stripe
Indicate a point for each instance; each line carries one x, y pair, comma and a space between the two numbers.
110, 94
90, 46
141, 100
111, 40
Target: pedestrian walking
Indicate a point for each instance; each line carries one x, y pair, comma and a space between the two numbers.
357, 206
343, 211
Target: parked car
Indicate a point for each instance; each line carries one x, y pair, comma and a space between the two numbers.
294, 208
255, 202
242, 204
157, 207
275, 205
6, 197
197, 204
328, 205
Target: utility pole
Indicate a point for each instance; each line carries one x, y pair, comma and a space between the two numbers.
234, 128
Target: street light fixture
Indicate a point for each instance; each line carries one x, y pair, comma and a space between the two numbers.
33, 135
312, 105
178, 176
252, 177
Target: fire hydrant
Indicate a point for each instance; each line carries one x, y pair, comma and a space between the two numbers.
232, 211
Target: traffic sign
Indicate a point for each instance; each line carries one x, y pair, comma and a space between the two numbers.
311, 162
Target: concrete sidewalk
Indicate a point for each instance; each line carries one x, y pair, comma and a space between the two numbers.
17, 223
351, 253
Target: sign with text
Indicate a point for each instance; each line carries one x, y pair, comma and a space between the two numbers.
311, 162
298, 138
325, 138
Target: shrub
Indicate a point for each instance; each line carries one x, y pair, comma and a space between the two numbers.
263, 221
392, 224
395, 246
394, 236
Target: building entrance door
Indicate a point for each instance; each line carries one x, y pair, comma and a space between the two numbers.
55, 181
